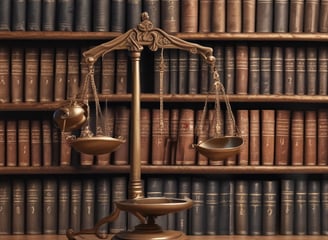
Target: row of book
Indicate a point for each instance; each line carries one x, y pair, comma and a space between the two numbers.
172, 16
221, 206
271, 137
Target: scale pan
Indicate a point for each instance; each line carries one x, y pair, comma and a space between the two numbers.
220, 148
96, 145
154, 206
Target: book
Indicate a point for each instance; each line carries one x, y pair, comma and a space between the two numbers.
31, 74
75, 204
193, 74
226, 221
154, 189
118, 13
189, 15
4, 75
18, 15
11, 143
184, 191
101, 16
183, 72
313, 207
102, 201
270, 207
46, 74
153, 8
133, 13
16, 74
48, 15
264, 16
161, 66
34, 206
118, 193
310, 137
121, 72
234, 15
219, 54
63, 204
278, 72
255, 207
60, 71
296, 15
173, 134
265, 69
33, 15
82, 16
311, 70
297, 138
324, 205
311, 15
231, 129
254, 70
5, 206
289, 70
322, 70
301, 220
18, 205
202, 130
65, 15
254, 137
287, 207
5, 9
204, 76
241, 207
23, 148
173, 70
73, 71
46, 142
205, 15
2, 142
242, 69
212, 206
55, 145
197, 211
50, 207
88, 203
170, 190
242, 120
65, 150
248, 15
170, 15
108, 73
322, 130
323, 16
300, 71
219, 16
229, 69
280, 15
282, 137
145, 135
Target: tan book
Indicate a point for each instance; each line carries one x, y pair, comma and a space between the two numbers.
267, 136
249, 15
65, 149
31, 74
254, 137
241, 69
11, 143
323, 16
60, 79
322, 136
23, 131
278, 70
242, 119
282, 137
16, 74
46, 74
4, 75
310, 138
311, 15
205, 15
296, 15
234, 15
189, 15
218, 16
297, 138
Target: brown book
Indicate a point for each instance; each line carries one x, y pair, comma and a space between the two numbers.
88, 203
277, 70
265, 69
230, 129
4, 75
323, 70
65, 149
50, 207
121, 72
242, 119
241, 69
323, 16
108, 73
219, 54
193, 71
311, 15
34, 206
23, 134
254, 137
287, 209
310, 138
234, 15
75, 204
2, 142
36, 148
46, 74
202, 127
86, 159
229, 69
60, 79
267, 136
300, 71
185, 154
5, 206
160, 136
264, 15
280, 19
31, 74
63, 204
173, 133
189, 16
311, 70
289, 71
282, 136
11, 142
73, 69
18, 206
322, 137
46, 143
254, 70
241, 207
145, 135
218, 16
248, 16
296, 15
16, 74
297, 138
205, 15
170, 15
270, 207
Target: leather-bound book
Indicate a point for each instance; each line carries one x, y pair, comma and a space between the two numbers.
102, 200
267, 136
75, 204
254, 137
300, 71
170, 15
218, 16
173, 134
48, 15
50, 207
270, 207
229, 69
324, 206
73, 70
278, 70
264, 16
23, 134
204, 76
323, 16
46, 142
153, 8
88, 203
18, 206
297, 138
118, 193
5, 206
108, 73
197, 211
133, 12
216, 126
205, 16
311, 15
55, 145
184, 191
5, 9
193, 74
11, 143
296, 15
311, 70
18, 17
185, 154
31, 74
122, 129
234, 15
282, 137
34, 206
16, 74
287, 206
226, 223
265, 69
202, 129
173, 73
230, 130
310, 138
289, 71
248, 15
313, 207
322, 121
254, 70
63, 204
255, 207
82, 16
145, 135
241, 207
65, 150
301, 219
118, 15
242, 120
212, 206
33, 15
36, 147
65, 15
189, 15
2, 142
46, 74
101, 16
4, 75
60, 72
183, 72
280, 17
170, 190
242, 69
323, 70
219, 54
121, 72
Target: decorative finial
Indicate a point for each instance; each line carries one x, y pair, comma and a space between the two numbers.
144, 16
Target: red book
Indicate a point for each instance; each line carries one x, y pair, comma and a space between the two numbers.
297, 138
310, 138
322, 137
242, 69
282, 148
267, 136
242, 120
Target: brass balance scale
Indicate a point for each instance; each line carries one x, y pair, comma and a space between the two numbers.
75, 115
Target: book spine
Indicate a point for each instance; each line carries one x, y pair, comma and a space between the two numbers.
265, 69
296, 15
311, 16
101, 16
202, 128
212, 206
118, 193
324, 206
297, 138
174, 74
242, 69
229, 69
310, 138
205, 15
255, 207
311, 70
82, 16
198, 208
289, 71
153, 7
65, 15
48, 15
18, 206
254, 137
248, 15
75, 204
4, 75
300, 70
18, 18
72, 84
33, 15
219, 16
102, 201
63, 205
184, 191
121, 72
322, 130
46, 75
226, 207
23, 134
323, 16
118, 11
133, 11
17, 78
193, 74
2, 142
282, 137
5, 8
108, 73
170, 190
300, 224
241, 207
234, 16
313, 207
170, 15
145, 135
267, 136
280, 17
264, 16
46, 142
11, 142
287, 208
278, 70
34, 206
323, 70
5, 206
242, 120
189, 15
254, 70
60, 71
88, 203
270, 207
31, 74
50, 210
